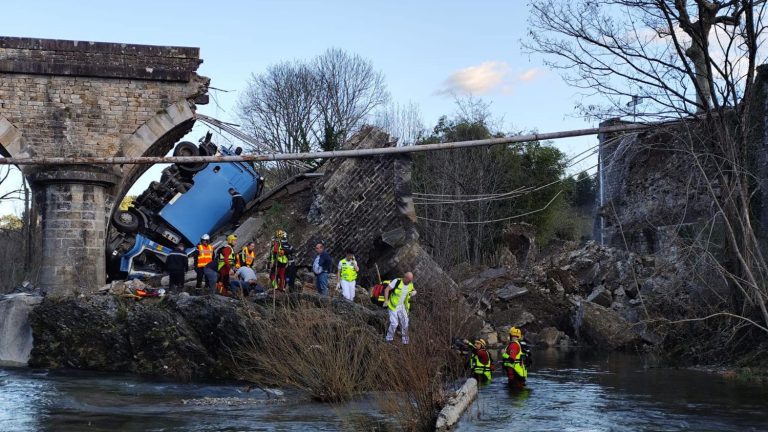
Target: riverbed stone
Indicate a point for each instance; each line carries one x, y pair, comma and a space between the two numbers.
603, 328
549, 336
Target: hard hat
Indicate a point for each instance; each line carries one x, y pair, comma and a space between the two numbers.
481, 342
515, 332
231, 238
279, 233
205, 237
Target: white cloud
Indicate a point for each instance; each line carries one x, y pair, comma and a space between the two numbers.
490, 77
530, 74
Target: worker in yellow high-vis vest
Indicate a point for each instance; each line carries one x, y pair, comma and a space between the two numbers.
398, 300
347, 275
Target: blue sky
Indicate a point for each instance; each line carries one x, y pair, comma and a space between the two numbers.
425, 49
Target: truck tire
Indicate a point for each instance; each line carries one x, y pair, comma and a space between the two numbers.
186, 148
125, 221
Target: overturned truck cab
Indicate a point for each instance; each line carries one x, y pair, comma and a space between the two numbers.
189, 200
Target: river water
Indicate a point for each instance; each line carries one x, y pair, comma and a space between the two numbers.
569, 391
584, 391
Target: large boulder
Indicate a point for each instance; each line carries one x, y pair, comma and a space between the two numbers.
603, 328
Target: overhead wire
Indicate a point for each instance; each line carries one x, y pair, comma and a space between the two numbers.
421, 198
237, 133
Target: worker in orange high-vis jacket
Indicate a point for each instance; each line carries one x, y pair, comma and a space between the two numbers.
246, 256
203, 255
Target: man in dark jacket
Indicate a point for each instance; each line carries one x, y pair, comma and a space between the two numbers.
176, 264
322, 266
238, 206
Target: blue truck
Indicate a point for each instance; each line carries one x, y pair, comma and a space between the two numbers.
189, 200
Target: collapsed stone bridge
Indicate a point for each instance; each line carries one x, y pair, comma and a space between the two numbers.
71, 98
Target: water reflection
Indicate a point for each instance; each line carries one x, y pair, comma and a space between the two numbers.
75, 401
582, 391
572, 391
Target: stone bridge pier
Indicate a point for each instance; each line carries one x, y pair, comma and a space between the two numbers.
70, 98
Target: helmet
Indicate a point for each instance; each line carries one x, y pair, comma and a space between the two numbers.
279, 233
205, 237
231, 238
481, 342
515, 332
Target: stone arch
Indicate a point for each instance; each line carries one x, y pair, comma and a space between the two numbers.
153, 138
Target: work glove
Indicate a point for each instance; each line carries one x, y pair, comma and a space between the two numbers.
338, 286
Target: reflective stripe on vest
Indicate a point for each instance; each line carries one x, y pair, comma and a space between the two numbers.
516, 363
246, 257
348, 272
479, 368
231, 257
394, 295
278, 253
204, 254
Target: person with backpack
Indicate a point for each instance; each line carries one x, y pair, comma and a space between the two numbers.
347, 275
397, 297
516, 359
226, 260
377, 293
480, 362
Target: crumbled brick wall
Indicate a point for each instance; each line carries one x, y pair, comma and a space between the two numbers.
360, 203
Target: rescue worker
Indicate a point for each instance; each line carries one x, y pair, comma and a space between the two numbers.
246, 256
278, 259
346, 274
514, 361
397, 297
226, 261
176, 264
480, 361
238, 206
203, 256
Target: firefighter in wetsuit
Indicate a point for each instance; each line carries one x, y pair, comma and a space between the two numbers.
226, 261
514, 358
480, 362
280, 253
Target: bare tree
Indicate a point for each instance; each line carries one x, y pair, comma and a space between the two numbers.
402, 122
696, 62
301, 106
278, 108
348, 90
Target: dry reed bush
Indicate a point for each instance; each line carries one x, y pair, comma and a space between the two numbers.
420, 374
312, 349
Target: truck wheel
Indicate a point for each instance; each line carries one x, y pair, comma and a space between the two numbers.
186, 148
125, 221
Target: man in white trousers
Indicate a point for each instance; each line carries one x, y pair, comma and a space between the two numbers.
398, 299
347, 275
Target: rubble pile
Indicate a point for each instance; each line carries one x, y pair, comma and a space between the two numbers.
593, 295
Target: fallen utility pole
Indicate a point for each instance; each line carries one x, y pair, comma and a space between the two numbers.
121, 160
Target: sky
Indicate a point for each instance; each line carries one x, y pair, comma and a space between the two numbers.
427, 50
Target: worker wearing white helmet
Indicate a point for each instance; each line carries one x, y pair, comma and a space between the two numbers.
203, 256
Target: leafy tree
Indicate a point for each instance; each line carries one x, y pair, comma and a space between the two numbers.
466, 197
